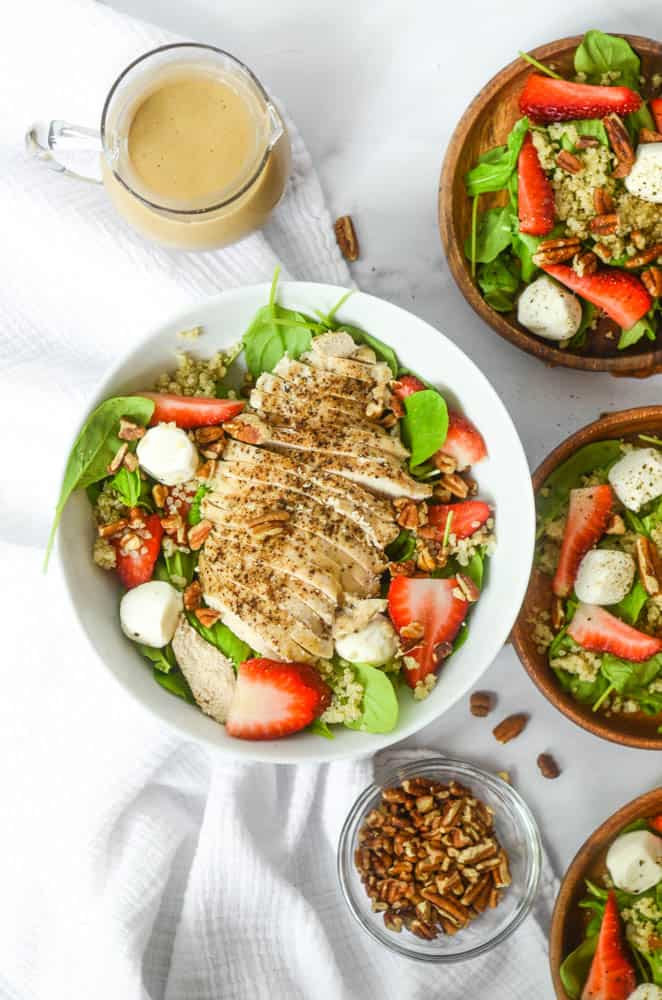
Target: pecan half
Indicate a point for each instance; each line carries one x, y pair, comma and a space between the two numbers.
510, 727
547, 766
569, 162
192, 596
455, 485
198, 533
587, 142
160, 494
480, 704
619, 141
585, 263
445, 463
645, 257
117, 459
556, 250
207, 616
130, 431
346, 237
412, 515
648, 135
603, 201
206, 435
469, 589
108, 530
425, 561
604, 225
652, 279
646, 566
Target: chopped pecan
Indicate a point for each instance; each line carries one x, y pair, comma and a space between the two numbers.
587, 142
469, 589
425, 561
556, 250
648, 135
603, 201
604, 225
346, 237
455, 485
115, 463
652, 279
174, 526
547, 766
192, 596
510, 727
392, 921
207, 435
584, 262
207, 470
415, 630
646, 564
214, 449
645, 257
445, 463
207, 616
604, 251
615, 525
198, 533
108, 530
130, 461
130, 431
388, 421
620, 144
406, 568
480, 703
160, 494
569, 162
442, 651
412, 515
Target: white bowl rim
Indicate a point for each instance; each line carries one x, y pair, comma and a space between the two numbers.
264, 752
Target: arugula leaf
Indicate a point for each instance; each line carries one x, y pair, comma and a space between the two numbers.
163, 659
175, 683
402, 547
380, 703
524, 246
493, 234
94, 448
567, 476
575, 967
632, 604
600, 53
219, 635
194, 515
495, 167
499, 281
425, 424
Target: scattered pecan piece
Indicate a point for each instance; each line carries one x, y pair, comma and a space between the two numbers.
445, 463
346, 237
160, 494
207, 435
425, 561
108, 530
645, 257
603, 251
130, 431
646, 564
615, 525
406, 568
603, 201
569, 162
415, 630
585, 263
510, 727
411, 515
455, 485
648, 135
130, 462
198, 533
652, 279
207, 616
587, 142
116, 462
604, 225
557, 613
192, 596
547, 765
556, 250
620, 144
469, 589
480, 703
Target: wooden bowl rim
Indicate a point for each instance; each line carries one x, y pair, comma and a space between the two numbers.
592, 846
548, 685
643, 364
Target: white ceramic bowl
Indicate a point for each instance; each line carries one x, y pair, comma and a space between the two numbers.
503, 479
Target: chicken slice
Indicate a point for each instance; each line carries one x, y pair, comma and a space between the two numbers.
323, 384
335, 344
210, 675
384, 475
373, 374
354, 440
299, 398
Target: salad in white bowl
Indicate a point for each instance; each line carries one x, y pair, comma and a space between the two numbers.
289, 527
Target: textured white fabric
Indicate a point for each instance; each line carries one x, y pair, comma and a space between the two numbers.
134, 865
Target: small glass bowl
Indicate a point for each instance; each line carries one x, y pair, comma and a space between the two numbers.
517, 832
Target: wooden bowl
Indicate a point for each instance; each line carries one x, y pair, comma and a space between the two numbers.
485, 124
633, 730
568, 920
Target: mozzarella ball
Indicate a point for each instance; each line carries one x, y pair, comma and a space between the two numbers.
549, 310
375, 644
637, 477
604, 576
150, 612
633, 861
167, 454
645, 178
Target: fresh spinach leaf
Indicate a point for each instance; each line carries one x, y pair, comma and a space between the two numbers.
493, 234
475, 568
524, 246
626, 676
163, 659
575, 967
424, 425
578, 341
636, 120
402, 548
632, 604
175, 683
567, 476
636, 824
494, 168
95, 447
499, 281
380, 703
599, 54
321, 729
194, 515
461, 636
645, 327
227, 642
592, 127
176, 569
266, 342
128, 485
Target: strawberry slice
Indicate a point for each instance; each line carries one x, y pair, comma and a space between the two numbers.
588, 513
435, 605
463, 441
534, 192
274, 699
612, 975
547, 100
621, 295
192, 411
407, 385
135, 567
656, 109
597, 630
656, 822
468, 517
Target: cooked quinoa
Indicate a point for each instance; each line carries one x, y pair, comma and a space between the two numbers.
347, 697
641, 921
463, 549
577, 661
424, 687
195, 376
104, 554
109, 506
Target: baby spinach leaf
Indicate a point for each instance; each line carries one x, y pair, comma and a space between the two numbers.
495, 167
95, 447
266, 342
380, 703
219, 635
600, 53
493, 234
321, 729
524, 246
461, 636
194, 515
625, 676
645, 327
175, 683
424, 425
592, 127
163, 659
128, 485
575, 967
636, 824
475, 569
499, 281
577, 342
402, 548
632, 604
176, 569
567, 476
636, 120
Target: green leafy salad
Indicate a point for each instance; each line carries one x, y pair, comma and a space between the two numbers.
295, 537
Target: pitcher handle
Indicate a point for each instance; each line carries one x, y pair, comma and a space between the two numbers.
61, 135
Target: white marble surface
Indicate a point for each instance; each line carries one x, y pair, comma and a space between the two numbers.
376, 90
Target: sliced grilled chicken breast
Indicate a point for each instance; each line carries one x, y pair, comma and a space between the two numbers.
301, 399
269, 637
210, 675
322, 384
377, 374
384, 475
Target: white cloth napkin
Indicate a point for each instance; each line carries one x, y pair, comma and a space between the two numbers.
132, 864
